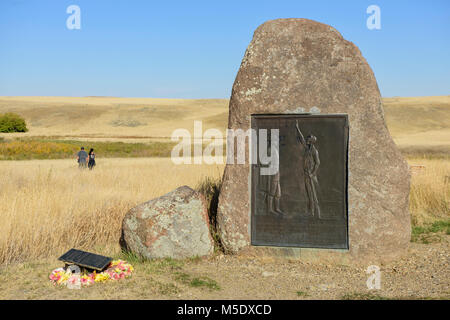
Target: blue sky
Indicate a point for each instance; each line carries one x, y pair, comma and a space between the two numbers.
193, 49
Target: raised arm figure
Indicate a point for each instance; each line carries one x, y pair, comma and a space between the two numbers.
311, 163
300, 135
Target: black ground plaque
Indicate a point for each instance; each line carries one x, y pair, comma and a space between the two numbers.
85, 259
305, 203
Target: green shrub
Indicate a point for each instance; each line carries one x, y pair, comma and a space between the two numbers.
11, 122
430, 233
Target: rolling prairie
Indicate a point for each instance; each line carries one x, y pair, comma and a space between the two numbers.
50, 201
419, 125
113, 118
49, 206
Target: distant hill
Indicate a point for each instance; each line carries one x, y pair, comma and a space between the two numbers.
116, 118
417, 124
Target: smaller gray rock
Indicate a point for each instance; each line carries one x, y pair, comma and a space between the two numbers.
174, 225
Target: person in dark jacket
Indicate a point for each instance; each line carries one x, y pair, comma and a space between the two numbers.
91, 163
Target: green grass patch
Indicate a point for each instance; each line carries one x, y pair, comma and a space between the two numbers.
302, 294
131, 257
28, 149
363, 296
162, 266
439, 226
430, 233
205, 282
197, 282
195, 259
183, 277
152, 266
168, 263
167, 288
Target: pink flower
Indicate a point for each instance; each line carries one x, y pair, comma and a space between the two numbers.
73, 279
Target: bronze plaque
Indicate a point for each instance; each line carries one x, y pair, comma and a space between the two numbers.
85, 259
303, 204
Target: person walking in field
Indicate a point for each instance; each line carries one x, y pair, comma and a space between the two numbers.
91, 163
82, 158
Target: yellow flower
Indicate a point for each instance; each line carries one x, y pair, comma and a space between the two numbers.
100, 277
64, 277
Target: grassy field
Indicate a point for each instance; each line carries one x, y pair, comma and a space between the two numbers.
420, 126
33, 148
430, 191
113, 118
49, 202
49, 206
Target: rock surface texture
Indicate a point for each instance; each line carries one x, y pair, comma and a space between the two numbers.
174, 225
299, 65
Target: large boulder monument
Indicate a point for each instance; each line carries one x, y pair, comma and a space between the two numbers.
342, 189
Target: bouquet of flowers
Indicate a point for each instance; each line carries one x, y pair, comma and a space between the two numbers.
117, 269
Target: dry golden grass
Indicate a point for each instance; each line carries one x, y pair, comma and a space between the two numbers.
430, 192
420, 125
31, 149
49, 206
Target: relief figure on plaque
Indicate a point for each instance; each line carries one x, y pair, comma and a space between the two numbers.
274, 187
311, 163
